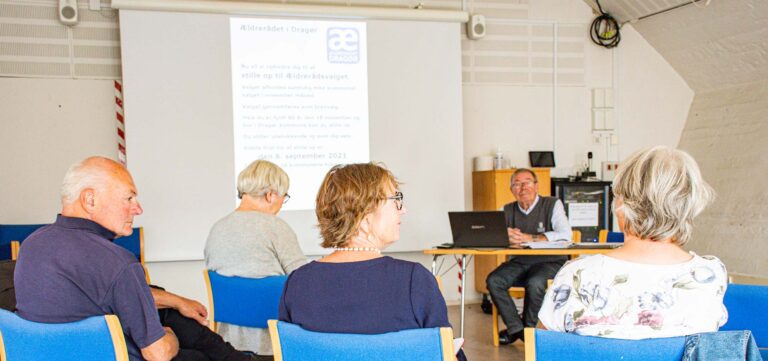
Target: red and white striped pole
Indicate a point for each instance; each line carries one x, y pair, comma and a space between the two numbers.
460, 263
120, 115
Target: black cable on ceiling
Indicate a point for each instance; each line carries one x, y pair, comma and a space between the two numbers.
670, 9
605, 29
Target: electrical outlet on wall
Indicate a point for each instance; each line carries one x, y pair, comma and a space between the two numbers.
609, 170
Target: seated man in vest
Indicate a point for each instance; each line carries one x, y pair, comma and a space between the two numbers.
72, 270
531, 218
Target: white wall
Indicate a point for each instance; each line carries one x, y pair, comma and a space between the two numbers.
45, 126
654, 98
726, 133
721, 52
652, 106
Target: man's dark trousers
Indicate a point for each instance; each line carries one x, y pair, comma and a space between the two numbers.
533, 277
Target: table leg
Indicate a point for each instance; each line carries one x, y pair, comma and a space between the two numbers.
434, 264
463, 290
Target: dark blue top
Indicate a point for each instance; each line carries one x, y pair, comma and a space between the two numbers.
367, 297
71, 270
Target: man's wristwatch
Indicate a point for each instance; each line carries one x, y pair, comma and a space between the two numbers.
534, 237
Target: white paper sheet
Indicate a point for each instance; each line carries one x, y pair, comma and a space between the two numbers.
583, 214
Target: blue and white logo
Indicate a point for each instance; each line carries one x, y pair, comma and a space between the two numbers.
343, 45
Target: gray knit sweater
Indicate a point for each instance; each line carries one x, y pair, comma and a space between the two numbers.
251, 244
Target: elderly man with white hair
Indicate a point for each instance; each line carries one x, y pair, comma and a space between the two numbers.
71, 270
651, 287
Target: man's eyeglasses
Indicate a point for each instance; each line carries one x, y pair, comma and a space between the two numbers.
520, 184
398, 198
286, 197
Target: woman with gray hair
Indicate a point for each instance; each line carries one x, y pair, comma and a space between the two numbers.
650, 287
253, 242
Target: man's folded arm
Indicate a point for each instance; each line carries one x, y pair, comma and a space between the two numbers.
163, 349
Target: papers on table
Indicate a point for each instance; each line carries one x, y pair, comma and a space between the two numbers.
547, 245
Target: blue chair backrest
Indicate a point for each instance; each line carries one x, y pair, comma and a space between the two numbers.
561, 346
615, 237
132, 243
92, 339
5, 251
748, 310
422, 344
14, 232
244, 301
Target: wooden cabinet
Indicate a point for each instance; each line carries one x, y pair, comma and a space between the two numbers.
490, 192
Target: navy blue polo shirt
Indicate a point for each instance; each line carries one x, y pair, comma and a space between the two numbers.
71, 270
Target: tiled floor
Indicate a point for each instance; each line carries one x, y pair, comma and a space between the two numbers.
478, 344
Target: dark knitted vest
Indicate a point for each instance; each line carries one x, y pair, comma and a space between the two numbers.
536, 222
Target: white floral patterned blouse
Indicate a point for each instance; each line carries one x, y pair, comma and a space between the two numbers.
607, 297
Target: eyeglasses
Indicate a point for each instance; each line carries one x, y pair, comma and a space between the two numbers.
398, 198
286, 197
520, 184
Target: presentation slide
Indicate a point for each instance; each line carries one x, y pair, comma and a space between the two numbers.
300, 98
192, 125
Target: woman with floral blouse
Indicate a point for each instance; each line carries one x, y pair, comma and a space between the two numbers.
650, 287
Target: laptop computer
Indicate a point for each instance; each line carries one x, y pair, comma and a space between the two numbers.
478, 229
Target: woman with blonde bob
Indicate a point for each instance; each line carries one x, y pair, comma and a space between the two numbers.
253, 242
650, 287
355, 289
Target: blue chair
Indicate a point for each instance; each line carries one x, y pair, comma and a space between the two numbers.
722, 345
97, 338
293, 343
11, 249
242, 301
10, 233
748, 310
552, 345
133, 243
14, 232
11, 236
610, 237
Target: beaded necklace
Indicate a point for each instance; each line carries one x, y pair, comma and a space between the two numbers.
357, 249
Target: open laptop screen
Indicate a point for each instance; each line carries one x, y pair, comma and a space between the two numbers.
479, 229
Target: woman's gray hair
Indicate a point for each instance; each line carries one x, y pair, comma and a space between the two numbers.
662, 191
81, 176
261, 177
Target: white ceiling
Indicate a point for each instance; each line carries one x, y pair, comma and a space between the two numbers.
626, 10
711, 47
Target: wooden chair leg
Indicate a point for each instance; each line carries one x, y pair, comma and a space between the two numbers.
514, 292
